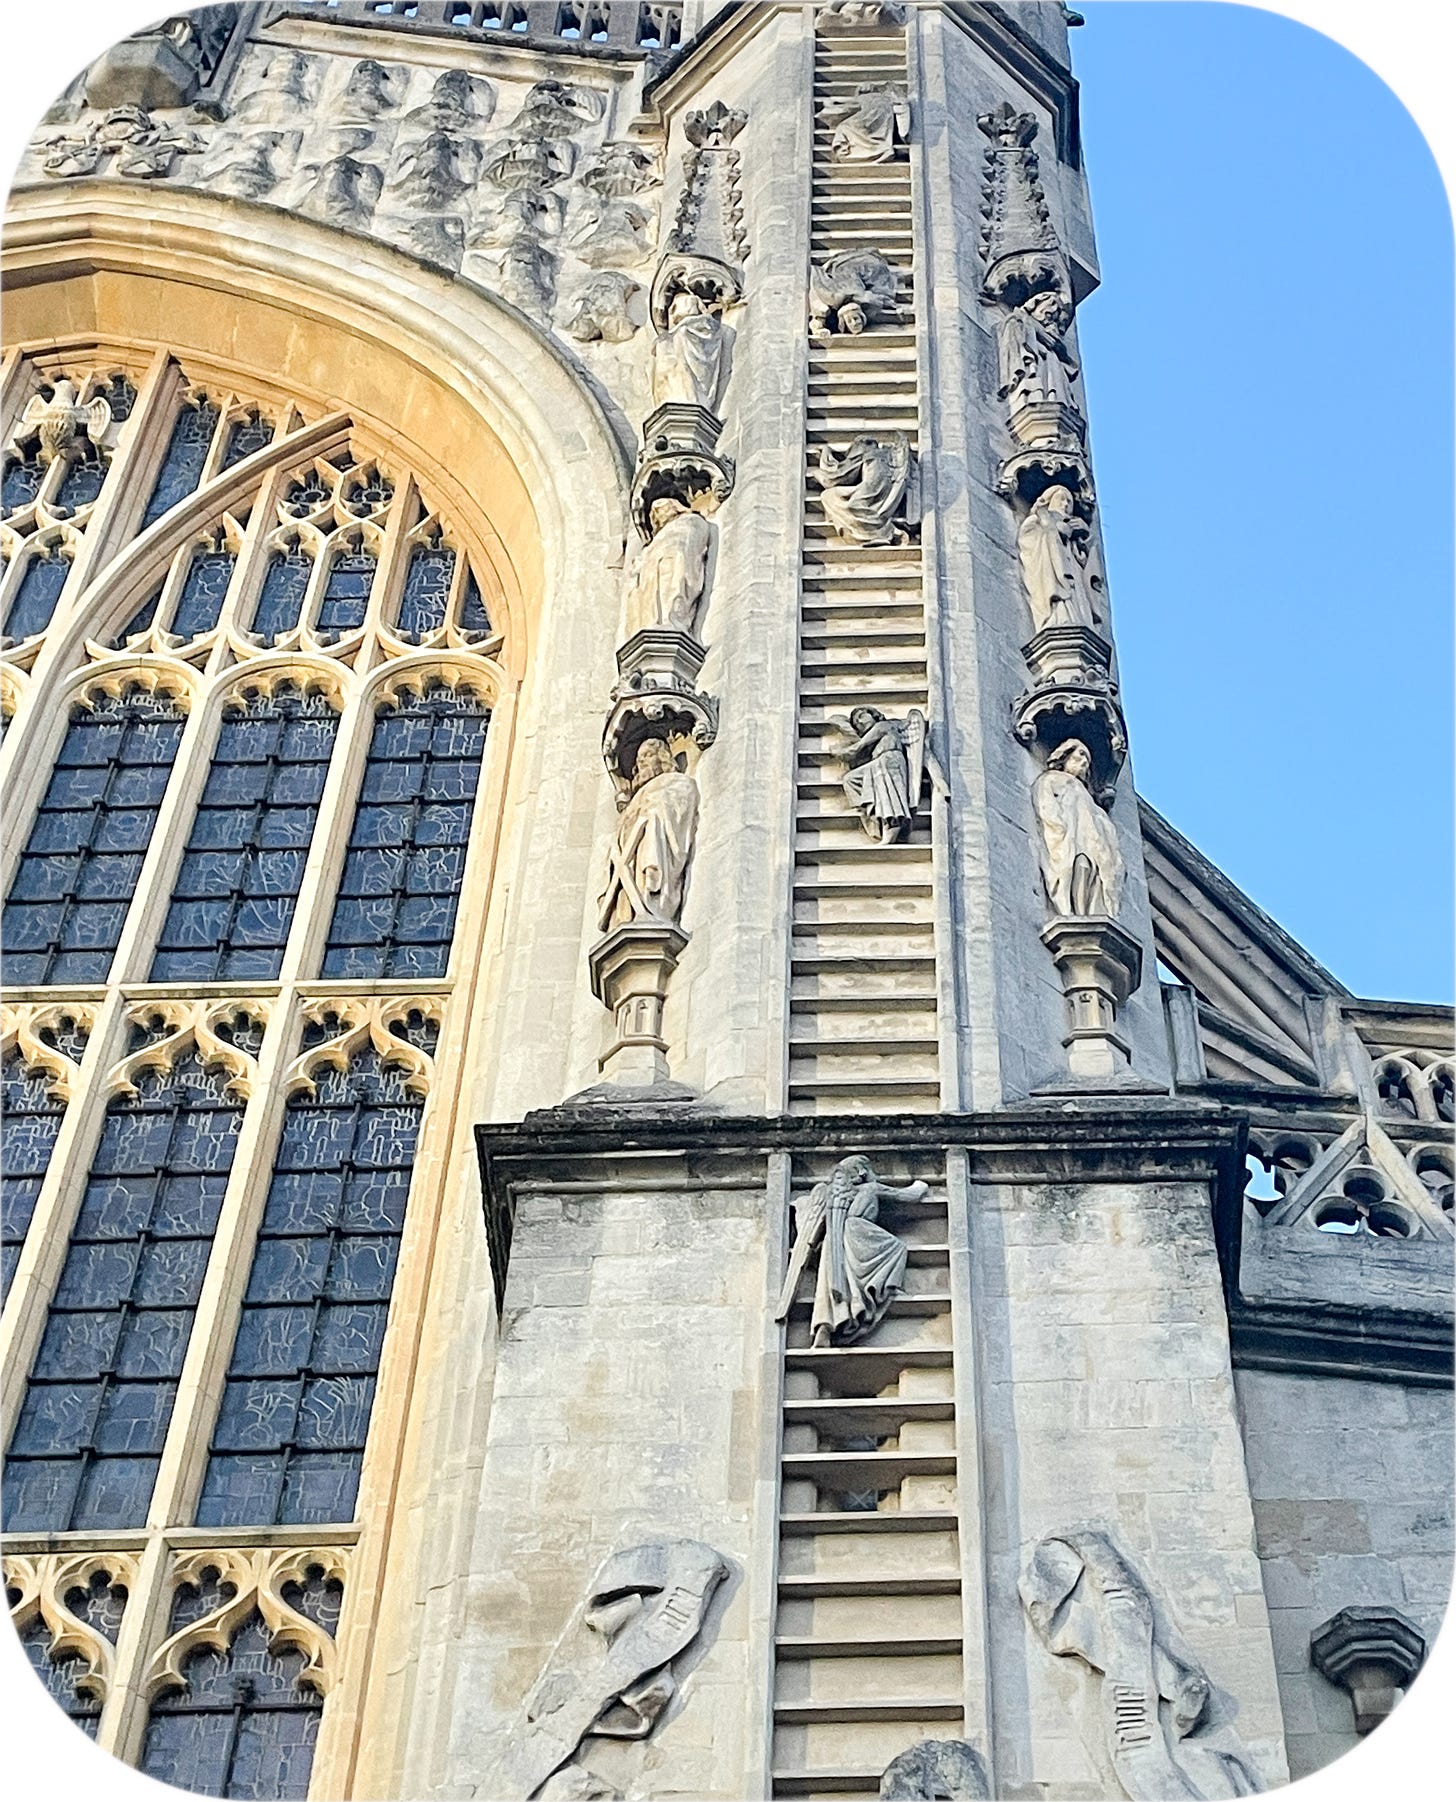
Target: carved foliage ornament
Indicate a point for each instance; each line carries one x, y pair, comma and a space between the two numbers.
1158, 1721
610, 1675
1018, 240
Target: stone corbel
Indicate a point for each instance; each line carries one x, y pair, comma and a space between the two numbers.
1372, 1653
1100, 964
663, 708
630, 970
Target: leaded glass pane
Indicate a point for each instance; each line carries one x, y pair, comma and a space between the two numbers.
473, 616
79, 870
280, 605
289, 1440
244, 1725
89, 1438
33, 1116
120, 396
394, 914
245, 437
183, 464
426, 597
35, 599
22, 479
234, 899
199, 606
82, 481
346, 591
101, 1604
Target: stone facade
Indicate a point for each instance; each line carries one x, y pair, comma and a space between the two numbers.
911, 1283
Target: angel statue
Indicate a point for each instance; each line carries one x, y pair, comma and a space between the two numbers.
62, 418
861, 1263
868, 127
888, 761
865, 488
1081, 861
850, 291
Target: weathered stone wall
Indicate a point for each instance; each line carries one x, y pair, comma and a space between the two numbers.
1352, 1508
1107, 1400
628, 1407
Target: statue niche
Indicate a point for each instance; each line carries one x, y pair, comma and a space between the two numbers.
670, 582
648, 862
861, 1263
1081, 861
1056, 562
692, 354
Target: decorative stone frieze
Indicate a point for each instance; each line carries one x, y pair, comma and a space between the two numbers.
1371, 1652
611, 1673
1155, 1719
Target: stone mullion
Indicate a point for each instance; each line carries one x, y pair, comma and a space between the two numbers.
48, 1237
209, 1348
126, 491
143, 1625
403, 513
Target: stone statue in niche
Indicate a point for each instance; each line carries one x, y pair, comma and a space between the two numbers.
1163, 1726
1036, 364
1081, 861
861, 1263
610, 1675
692, 358
648, 863
865, 489
937, 1770
603, 309
851, 292
1056, 562
672, 572
868, 128
887, 763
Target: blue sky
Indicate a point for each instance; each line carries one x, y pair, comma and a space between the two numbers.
1269, 381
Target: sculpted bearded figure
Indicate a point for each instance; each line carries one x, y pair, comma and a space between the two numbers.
864, 489
1036, 365
861, 1263
690, 360
649, 861
672, 572
1055, 548
1081, 862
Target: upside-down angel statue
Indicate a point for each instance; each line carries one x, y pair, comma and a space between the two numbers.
861, 1263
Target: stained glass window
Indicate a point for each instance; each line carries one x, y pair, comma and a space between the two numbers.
22, 479
82, 481
346, 591
233, 903
89, 1438
243, 1725
33, 1113
101, 1605
289, 1441
199, 606
35, 599
183, 464
473, 616
395, 910
139, 621
280, 604
120, 396
79, 870
426, 596
245, 436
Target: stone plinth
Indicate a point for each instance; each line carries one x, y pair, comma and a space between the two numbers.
1100, 965
1048, 423
681, 426
659, 657
630, 970
1068, 655
1371, 1652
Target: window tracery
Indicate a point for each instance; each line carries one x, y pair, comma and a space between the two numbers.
67, 1611
42, 1048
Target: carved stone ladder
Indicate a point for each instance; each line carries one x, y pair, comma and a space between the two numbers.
868, 1635
863, 1034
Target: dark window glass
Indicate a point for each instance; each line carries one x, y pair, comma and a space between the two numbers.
78, 873
22, 480
473, 616
346, 591
243, 1724
120, 396
82, 481
281, 602
33, 1116
235, 894
35, 599
426, 596
289, 1440
245, 436
89, 1437
182, 466
199, 606
138, 623
394, 914
101, 1605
